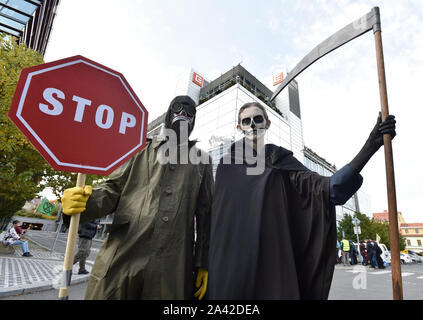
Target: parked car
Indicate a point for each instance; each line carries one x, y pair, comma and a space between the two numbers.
415, 258
405, 258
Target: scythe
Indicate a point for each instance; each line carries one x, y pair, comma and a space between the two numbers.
370, 21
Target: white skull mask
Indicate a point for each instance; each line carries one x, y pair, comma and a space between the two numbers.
253, 123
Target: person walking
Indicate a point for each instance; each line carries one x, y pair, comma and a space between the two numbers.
345, 247
369, 248
374, 254
338, 249
363, 253
12, 238
86, 232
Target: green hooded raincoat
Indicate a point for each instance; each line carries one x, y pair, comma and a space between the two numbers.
160, 232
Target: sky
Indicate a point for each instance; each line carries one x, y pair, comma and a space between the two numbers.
153, 42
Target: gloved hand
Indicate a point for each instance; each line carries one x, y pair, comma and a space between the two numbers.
202, 277
374, 142
375, 139
75, 199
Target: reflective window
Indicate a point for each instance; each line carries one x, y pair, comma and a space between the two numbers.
16, 18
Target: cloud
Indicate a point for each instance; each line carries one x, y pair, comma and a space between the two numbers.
339, 94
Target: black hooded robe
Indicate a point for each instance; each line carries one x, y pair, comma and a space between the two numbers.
272, 235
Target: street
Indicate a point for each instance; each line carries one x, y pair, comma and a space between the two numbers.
76, 292
349, 283
362, 283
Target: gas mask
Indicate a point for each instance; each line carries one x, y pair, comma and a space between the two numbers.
253, 123
181, 115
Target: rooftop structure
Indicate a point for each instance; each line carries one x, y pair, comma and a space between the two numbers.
384, 217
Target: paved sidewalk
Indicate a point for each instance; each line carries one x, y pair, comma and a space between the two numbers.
42, 271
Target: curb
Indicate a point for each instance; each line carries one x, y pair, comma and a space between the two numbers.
43, 286
40, 286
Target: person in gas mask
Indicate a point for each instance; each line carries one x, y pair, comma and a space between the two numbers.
154, 250
273, 232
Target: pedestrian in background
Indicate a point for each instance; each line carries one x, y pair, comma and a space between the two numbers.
338, 250
18, 229
372, 248
12, 238
369, 248
353, 253
345, 247
86, 232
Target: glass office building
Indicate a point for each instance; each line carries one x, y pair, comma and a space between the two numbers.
30, 21
360, 201
219, 102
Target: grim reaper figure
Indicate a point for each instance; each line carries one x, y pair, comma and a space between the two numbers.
273, 232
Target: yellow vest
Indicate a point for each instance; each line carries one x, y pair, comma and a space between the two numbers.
345, 245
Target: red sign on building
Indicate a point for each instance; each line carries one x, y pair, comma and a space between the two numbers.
277, 78
197, 79
80, 115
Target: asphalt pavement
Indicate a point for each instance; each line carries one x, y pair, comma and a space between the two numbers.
365, 283
37, 277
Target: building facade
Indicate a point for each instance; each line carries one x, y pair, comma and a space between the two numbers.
413, 233
384, 217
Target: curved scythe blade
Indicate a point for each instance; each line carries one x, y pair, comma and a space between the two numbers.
355, 29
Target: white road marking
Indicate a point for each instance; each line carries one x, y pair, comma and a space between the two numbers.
380, 272
406, 274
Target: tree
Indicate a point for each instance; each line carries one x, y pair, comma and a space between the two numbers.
346, 227
58, 181
23, 171
21, 166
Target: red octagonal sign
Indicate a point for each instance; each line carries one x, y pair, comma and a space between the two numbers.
80, 115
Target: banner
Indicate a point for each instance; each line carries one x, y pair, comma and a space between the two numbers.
46, 207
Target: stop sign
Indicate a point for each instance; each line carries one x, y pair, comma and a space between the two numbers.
80, 115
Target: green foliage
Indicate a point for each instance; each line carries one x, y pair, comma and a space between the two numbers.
21, 166
369, 229
58, 181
